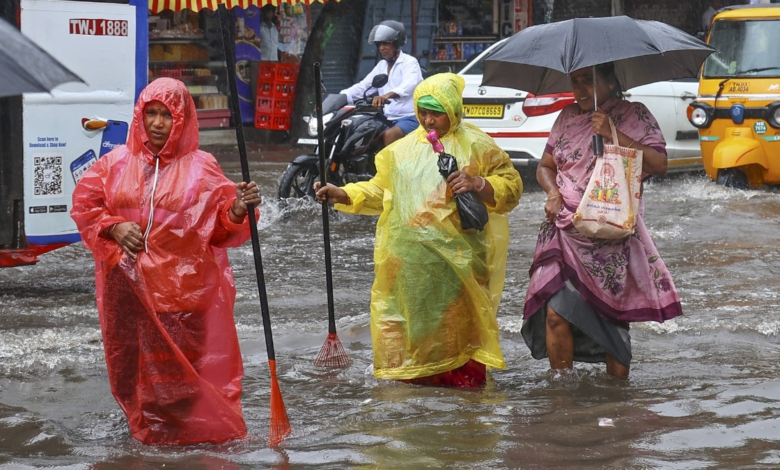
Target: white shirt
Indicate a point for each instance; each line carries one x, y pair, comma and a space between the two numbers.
269, 42
402, 80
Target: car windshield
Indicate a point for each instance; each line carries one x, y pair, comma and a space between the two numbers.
744, 48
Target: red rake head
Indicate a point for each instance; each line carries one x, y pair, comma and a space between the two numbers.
280, 424
332, 354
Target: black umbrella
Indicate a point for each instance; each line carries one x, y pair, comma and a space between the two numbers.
25, 67
538, 59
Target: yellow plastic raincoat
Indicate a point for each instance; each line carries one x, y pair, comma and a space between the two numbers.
437, 287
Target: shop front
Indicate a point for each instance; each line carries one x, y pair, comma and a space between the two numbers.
187, 45
467, 27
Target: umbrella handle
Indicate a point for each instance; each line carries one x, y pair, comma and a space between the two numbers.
598, 141
598, 145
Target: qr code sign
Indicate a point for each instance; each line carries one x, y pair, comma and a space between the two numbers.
47, 175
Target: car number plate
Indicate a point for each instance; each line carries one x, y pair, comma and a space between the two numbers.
494, 111
307, 142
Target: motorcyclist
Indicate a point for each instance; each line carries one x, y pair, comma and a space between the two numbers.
403, 76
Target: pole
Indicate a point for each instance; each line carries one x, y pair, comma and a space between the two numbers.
280, 425
332, 353
324, 181
414, 28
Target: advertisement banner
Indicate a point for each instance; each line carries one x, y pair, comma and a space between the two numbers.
247, 49
95, 41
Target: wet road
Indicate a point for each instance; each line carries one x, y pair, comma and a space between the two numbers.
704, 390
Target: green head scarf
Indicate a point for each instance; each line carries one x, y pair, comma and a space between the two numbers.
429, 102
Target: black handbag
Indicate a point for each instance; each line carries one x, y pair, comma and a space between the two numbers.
472, 211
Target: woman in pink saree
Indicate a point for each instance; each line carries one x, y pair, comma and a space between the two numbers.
584, 291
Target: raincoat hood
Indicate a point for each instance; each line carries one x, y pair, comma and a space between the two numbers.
447, 89
183, 138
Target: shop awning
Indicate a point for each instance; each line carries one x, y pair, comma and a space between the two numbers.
156, 6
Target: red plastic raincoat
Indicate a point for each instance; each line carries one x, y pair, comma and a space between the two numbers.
170, 341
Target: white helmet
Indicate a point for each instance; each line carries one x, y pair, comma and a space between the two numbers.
388, 31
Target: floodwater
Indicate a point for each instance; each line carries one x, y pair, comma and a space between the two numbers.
704, 390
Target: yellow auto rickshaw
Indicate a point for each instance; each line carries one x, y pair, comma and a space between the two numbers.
737, 110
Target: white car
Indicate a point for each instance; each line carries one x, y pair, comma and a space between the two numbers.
520, 122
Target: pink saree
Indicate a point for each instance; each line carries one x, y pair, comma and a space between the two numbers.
623, 280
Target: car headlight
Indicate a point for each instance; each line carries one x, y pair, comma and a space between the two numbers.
700, 115
313, 123
772, 114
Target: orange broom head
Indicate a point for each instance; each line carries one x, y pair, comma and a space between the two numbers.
332, 354
280, 424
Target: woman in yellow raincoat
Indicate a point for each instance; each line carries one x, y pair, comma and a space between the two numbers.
437, 287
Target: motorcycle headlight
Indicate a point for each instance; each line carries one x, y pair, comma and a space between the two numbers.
313, 127
313, 123
700, 115
772, 114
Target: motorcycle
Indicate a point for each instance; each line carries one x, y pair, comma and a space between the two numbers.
352, 137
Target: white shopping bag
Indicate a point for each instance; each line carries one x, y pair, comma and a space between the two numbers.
609, 207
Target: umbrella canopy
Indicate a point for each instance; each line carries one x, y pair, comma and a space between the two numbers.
156, 6
538, 59
25, 67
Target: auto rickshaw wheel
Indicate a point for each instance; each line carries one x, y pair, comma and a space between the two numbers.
733, 178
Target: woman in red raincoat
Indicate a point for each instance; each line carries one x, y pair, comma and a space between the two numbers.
158, 215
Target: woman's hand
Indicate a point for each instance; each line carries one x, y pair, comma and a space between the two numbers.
246, 194
553, 205
546, 174
128, 235
600, 125
461, 182
330, 193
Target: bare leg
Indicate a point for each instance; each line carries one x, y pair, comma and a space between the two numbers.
560, 341
615, 368
392, 134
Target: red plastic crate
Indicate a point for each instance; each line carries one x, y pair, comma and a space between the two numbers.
284, 90
280, 123
264, 105
263, 121
286, 73
265, 89
282, 107
266, 71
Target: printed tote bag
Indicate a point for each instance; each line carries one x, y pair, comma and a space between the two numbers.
609, 207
